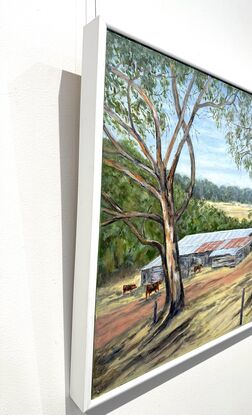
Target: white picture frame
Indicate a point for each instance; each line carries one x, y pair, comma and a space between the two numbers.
90, 162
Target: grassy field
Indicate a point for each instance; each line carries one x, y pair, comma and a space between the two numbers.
234, 209
110, 297
213, 301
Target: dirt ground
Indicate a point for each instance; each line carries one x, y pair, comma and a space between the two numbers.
212, 308
122, 318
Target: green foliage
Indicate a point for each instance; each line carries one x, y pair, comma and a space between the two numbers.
202, 217
238, 126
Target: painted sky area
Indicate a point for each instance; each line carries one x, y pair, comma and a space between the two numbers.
213, 161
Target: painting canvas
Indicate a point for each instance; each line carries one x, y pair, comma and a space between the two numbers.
174, 256
176, 212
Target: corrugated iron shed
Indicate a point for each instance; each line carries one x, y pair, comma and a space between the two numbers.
190, 244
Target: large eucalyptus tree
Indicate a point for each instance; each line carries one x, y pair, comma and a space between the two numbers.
151, 104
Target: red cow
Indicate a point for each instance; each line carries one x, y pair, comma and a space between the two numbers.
129, 287
152, 287
197, 268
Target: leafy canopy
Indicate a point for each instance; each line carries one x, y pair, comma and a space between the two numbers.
229, 107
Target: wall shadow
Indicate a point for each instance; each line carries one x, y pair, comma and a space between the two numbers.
69, 114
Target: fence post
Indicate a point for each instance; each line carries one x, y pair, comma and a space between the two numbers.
155, 313
242, 306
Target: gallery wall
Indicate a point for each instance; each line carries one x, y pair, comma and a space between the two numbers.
40, 53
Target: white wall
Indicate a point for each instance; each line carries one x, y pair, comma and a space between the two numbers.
38, 162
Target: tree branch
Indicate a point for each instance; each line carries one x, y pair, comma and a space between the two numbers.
129, 106
134, 176
149, 104
122, 152
130, 215
143, 240
181, 113
132, 227
186, 131
219, 104
133, 133
189, 191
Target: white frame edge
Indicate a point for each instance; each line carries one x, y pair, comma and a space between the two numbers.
87, 236
88, 211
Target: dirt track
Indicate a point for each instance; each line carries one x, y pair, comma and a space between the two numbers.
125, 317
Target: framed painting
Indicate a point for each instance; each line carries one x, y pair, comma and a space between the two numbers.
163, 271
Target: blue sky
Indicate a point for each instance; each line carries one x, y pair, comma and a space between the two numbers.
213, 162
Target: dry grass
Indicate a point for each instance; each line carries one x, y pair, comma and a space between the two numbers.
234, 209
205, 318
111, 296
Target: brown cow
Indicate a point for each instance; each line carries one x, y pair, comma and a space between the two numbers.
151, 287
129, 287
197, 268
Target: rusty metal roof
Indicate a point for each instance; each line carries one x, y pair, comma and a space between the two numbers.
191, 243
237, 242
227, 244
208, 246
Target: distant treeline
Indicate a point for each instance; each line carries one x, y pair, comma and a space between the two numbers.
204, 189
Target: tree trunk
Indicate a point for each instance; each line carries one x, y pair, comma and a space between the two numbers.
174, 296
174, 300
